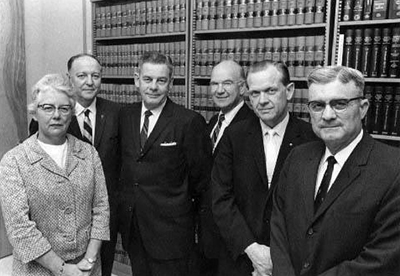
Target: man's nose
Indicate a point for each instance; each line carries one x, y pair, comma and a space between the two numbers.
328, 113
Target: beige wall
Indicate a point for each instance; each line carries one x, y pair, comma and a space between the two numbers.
55, 30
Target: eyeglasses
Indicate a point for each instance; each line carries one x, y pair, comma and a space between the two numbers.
225, 85
49, 109
338, 105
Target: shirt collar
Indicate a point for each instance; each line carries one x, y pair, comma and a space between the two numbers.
156, 111
232, 113
342, 156
279, 128
79, 109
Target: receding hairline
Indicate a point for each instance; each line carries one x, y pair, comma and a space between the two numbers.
231, 65
75, 58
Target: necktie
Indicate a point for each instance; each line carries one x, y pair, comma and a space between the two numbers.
217, 129
145, 128
323, 188
272, 153
87, 127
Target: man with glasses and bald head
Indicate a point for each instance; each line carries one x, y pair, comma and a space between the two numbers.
337, 205
246, 170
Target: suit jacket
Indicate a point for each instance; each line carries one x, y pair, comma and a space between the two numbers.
242, 201
160, 182
209, 237
46, 207
105, 140
356, 229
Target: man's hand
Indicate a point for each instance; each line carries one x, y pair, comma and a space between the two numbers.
73, 270
260, 257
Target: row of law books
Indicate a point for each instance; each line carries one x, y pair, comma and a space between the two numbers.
129, 93
357, 10
301, 54
373, 51
123, 60
236, 14
203, 103
383, 116
140, 17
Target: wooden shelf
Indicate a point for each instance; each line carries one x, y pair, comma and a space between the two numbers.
132, 77
386, 137
368, 22
383, 80
291, 78
139, 36
261, 29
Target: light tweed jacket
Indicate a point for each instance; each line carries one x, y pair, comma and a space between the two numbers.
46, 207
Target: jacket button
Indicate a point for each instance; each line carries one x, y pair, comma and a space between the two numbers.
306, 265
136, 184
310, 231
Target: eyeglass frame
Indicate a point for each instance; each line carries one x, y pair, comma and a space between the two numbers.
229, 83
61, 109
332, 104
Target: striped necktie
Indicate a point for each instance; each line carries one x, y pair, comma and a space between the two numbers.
217, 129
145, 128
87, 128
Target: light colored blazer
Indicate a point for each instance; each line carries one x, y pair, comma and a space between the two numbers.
46, 207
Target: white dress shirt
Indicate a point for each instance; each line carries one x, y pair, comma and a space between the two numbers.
341, 158
225, 123
272, 147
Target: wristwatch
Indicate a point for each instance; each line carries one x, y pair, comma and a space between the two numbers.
91, 261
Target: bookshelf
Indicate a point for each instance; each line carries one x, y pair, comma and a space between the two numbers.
123, 30
367, 37
294, 32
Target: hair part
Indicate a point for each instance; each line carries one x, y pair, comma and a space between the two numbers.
155, 57
73, 58
51, 82
343, 74
265, 64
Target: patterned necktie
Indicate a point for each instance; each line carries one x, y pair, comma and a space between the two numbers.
217, 129
87, 128
323, 188
145, 128
272, 153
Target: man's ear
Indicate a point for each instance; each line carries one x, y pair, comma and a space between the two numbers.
364, 108
243, 88
290, 91
136, 77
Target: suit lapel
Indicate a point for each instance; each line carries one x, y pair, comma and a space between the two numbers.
256, 136
73, 150
74, 128
162, 122
349, 172
100, 121
134, 125
310, 175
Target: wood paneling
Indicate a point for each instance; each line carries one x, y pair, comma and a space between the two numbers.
13, 114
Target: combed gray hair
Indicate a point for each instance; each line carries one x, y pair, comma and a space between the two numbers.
344, 74
53, 82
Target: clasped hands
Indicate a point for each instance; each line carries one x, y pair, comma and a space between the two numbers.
260, 256
82, 268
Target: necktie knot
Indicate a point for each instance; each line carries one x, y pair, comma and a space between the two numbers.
87, 111
87, 127
147, 113
331, 161
221, 118
145, 128
215, 134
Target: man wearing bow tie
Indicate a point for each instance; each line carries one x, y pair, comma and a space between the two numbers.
246, 170
166, 159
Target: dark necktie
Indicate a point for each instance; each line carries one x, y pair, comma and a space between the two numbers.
145, 128
217, 129
87, 128
323, 188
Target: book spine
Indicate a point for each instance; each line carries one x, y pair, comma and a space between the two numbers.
212, 18
250, 14
220, 15
367, 119
385, 53
276, 49
268, 48
217, 51
358, 10
283, 13
291, 19
357, 47
367, 11
309, 55
347, 12
284, 50
266, 20
300, 12
245, 60
260, 49
377, 115
395, 127
274, 12
205, 14
228, 14
291, 55
394, 9
366, 52
347, 49
310, 12
182, 17
379, 9
235, 14
319, 11
253, 51
242, 14
394, 59
300, 62
258, 14
387, 105
375, 54
319, 51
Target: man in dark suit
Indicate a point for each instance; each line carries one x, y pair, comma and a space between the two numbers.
247, 167
337, 206
166, 157
227, 87
84, 72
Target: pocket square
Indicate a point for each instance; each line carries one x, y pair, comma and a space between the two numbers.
170, 144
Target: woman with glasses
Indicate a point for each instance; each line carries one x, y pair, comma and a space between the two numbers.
53, 193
